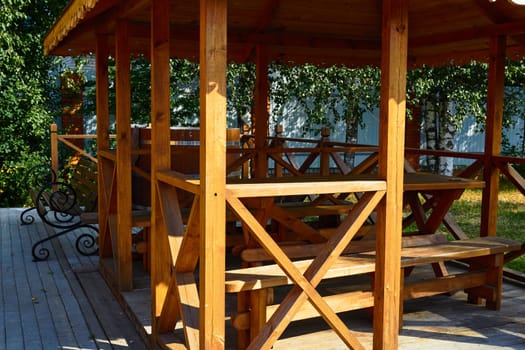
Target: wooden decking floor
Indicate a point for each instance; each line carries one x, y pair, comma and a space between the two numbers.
60, 303
63, 303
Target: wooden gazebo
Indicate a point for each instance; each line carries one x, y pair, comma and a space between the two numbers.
394, 35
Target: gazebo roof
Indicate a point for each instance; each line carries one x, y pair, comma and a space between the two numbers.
298, 31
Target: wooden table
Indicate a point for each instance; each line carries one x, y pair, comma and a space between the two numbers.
184, 240
430, 197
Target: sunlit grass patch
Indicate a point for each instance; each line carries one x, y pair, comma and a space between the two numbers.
511, 216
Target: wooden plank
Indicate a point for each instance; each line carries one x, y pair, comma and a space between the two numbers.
54, 148
14, 303
160, 146
339, 303
52, 308
302, 251
271, 276
123, 162
268, 276
186, 260
102, 99
179, 180
107, 205
435, 182
212, 160
493, 135
514, 176
261, 119
306, 283
391, 163
433, 250
453, 227
302, 230
293, 186
303, 290
189, 304
178, 242
60, 298
117, 326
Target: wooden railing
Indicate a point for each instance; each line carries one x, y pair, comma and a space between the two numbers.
66, 139
302, 157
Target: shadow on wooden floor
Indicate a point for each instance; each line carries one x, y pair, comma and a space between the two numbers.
64, 303
60, 303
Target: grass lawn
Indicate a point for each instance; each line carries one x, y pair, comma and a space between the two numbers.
511, 216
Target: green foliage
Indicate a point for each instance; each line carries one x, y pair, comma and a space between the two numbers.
241, 83
27, 94
184, 90
326, 94
515, 106
13, 187
465, 86
184, 84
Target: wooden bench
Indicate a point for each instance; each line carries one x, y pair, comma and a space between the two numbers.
482, 279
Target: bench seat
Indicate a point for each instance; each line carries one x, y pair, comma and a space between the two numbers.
483, 279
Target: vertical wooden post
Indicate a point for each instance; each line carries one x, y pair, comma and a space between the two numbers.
54, 148
102, 99
324, 156
391, 159
102, 91
261, 112
213, 47
496, 83
277, 142
123, 178
160, 147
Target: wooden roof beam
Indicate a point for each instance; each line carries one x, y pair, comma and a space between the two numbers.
270, 7
510, 28
490, 10
493, 13
75, 12
131, 7
141, 30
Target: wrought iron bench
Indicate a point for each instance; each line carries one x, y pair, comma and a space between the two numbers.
62, 205
36, 178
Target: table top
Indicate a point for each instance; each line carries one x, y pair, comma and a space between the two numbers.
428, 181
418, 181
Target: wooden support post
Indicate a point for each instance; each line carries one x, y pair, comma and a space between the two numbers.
102, 99
213, 53
160, 147
261, 112
102, 91
387, 288
123, 162
54, 148
496, 84
325, 152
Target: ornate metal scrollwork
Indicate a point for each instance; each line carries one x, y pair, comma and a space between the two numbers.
58, 206
36, 178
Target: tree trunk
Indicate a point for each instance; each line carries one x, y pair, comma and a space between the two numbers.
447, 131
352, 127
430, 124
